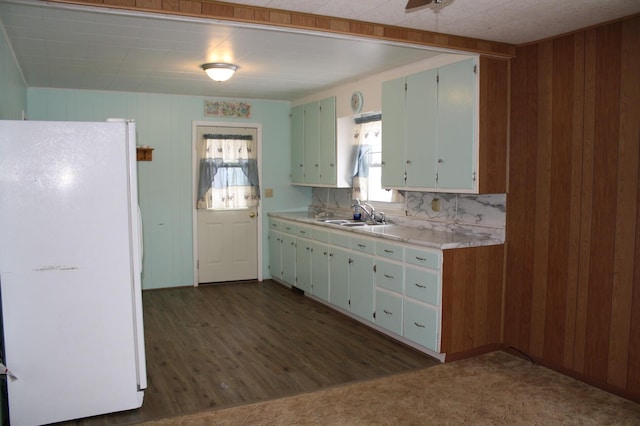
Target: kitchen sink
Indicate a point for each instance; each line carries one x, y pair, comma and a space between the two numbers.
349, 223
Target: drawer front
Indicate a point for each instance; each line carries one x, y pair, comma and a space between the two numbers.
363, 245
288, 227
421, 324
392, 251
319, 234
426, 258
275, 224
389, 311
303, 231
339, 239
389, 275
423, 285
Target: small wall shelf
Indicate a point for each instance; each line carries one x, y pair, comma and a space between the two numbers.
144, 153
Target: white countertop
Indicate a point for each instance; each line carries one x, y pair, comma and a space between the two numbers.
411, 235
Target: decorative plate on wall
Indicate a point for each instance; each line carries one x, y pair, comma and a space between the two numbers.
356, 102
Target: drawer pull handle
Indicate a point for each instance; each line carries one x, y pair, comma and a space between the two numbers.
419, 325
420, 285
388, 276
388, 251
362, 245
325, 253
387, 312
303, 232
421, 259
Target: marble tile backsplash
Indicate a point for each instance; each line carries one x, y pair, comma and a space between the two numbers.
468, 213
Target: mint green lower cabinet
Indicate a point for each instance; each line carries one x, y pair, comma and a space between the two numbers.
423, 285
303, 264
389, 311
389, 275
339, 277
421, 324
361, 283
288, 259
275, 254
320, 270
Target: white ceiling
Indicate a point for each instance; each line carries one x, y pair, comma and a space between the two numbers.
66, 46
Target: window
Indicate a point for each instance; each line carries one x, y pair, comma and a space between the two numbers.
367, 179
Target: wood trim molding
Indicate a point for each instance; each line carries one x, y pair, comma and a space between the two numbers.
209, 9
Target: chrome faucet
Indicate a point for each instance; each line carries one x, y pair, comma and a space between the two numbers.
370, 212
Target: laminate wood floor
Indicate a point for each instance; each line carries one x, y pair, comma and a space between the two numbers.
229, 344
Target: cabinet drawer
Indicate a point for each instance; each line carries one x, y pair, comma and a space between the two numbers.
363, 244
319, 234
339, 239
389, 311
421, 324
303, 231
288, 227
389, 276
421, 257
392, 251
275, 224
423, 285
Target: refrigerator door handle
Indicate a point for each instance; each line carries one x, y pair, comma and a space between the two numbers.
140, 238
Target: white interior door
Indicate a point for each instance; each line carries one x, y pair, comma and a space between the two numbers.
227, 239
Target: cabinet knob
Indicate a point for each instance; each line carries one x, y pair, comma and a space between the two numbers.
408, 161
440, 160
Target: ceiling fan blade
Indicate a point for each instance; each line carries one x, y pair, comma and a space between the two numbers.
413, 4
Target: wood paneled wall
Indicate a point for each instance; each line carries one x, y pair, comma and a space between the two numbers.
573, 216
471, 300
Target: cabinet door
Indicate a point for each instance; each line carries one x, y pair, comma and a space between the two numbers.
361, 285
312, 142
303, 264
393, 135
320, 270
288, 259
327, 143
421, 129
275, 254
339, 277
456, 126
297, 144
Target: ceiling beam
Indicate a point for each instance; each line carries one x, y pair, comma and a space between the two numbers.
216, 10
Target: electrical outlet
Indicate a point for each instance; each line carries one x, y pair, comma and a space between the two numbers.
268, 192
435, 204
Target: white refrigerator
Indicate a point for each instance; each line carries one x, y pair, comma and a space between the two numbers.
70, 269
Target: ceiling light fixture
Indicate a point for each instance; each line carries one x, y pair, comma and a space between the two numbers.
219, 71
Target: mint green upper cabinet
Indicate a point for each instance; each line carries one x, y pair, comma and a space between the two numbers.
393, 133
314, 146
456, 126
421, 129
297, 144
312, 142
409, 126
429, 137
327, 142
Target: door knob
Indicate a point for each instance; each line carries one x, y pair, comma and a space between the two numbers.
252, 215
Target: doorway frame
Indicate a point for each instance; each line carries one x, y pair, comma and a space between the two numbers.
194, 186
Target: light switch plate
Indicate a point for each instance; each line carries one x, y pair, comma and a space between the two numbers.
268, 192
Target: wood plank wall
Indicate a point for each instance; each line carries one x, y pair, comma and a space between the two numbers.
282, 18
471, 300
573, 216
